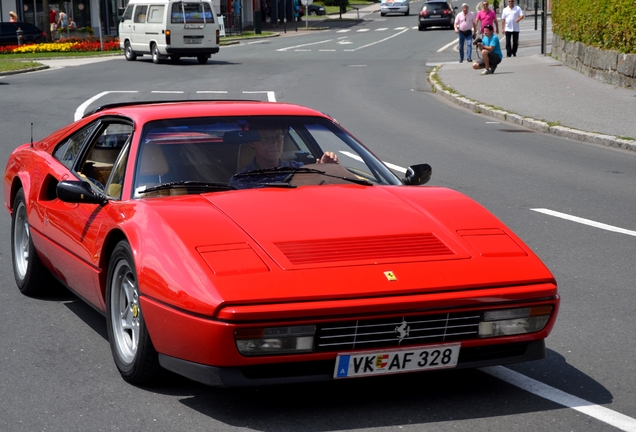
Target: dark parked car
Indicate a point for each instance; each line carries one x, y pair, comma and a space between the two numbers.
436, 13
316, 10
9, 35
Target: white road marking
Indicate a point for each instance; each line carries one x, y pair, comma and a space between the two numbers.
447, 46
304, 45
302, 50
79, 112
167, 91
585, 221
400, 28
212, 91
343, 31
377, 42
328, 50
538, 388
271, 96
382, 29
362, 30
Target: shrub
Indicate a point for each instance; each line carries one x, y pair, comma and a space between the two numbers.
607, 25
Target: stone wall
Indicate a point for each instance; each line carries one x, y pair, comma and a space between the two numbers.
609, 66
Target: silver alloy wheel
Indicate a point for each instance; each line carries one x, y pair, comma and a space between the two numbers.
128, 52
125, 311
21, 240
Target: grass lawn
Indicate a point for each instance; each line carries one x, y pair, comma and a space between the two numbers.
12, 65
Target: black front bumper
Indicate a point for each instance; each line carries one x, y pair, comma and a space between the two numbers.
288, 373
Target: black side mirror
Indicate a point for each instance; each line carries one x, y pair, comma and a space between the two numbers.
418, 174
79, 192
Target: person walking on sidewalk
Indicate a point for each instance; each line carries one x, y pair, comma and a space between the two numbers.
490, 52
487, 16
465, 25
510, 17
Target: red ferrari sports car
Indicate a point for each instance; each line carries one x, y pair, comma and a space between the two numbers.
247, 243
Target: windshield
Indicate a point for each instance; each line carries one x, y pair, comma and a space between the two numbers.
251, 152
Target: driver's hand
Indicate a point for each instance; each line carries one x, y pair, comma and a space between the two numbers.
329, 157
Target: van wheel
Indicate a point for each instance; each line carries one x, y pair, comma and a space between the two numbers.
203, 59
129, 53
156, 57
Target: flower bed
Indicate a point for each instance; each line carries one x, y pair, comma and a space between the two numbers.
64, 45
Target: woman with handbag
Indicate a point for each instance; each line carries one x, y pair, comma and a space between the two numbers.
465, 25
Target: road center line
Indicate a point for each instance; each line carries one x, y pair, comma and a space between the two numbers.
538, 388
585, 221
447, 46
377, 42
304, 45
271, 96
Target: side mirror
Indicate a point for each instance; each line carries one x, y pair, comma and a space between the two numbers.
417, 175
79, 192
120, 11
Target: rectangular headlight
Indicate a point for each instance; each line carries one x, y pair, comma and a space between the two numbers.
507, 322
275, 340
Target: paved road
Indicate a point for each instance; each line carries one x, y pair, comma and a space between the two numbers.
56, 371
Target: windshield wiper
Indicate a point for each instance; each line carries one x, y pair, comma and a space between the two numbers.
277, 171
190, 184
300, 170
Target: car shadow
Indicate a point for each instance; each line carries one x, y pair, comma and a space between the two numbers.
395, 400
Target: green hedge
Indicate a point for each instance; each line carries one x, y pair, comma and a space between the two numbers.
607, 25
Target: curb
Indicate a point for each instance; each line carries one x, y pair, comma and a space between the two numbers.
437, 86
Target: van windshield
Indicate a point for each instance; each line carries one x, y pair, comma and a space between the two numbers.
191, 13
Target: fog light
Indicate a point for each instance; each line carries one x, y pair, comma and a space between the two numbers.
507, 322
275, 340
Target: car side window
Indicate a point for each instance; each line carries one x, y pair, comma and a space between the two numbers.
68, 150
155, 14
103, 154
140, 14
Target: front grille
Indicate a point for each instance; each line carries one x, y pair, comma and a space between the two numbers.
397, 332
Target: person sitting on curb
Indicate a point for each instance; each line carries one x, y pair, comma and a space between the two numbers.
490, 52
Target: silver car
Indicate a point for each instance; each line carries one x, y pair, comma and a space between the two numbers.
394, 6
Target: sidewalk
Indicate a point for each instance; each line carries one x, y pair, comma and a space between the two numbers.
541, 93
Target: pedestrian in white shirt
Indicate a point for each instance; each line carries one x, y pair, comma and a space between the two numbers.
510, 17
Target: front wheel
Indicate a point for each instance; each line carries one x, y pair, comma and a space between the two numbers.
202, 59
30, 274
129, 53
133, 352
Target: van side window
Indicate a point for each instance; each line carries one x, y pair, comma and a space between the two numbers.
128, 13
155, 14
140, 14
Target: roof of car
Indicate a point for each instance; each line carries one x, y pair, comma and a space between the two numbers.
156, 110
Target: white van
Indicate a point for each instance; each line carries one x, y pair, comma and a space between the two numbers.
169, 28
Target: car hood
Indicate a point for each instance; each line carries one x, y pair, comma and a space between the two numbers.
330, 242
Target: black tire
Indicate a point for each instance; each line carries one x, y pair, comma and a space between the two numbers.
154, 51
30, 274
202, 59
133, 352
382, 14
407, 13
129, 53
175, 58
420, 28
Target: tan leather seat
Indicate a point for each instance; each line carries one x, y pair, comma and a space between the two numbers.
153, 161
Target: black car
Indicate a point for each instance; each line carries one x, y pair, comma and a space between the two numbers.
316, 9
436, 13
9, 33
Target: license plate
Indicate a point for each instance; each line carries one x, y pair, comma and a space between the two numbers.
435, 16
193, 41
412, 359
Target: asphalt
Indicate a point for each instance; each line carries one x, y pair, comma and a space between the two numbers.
534, 90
